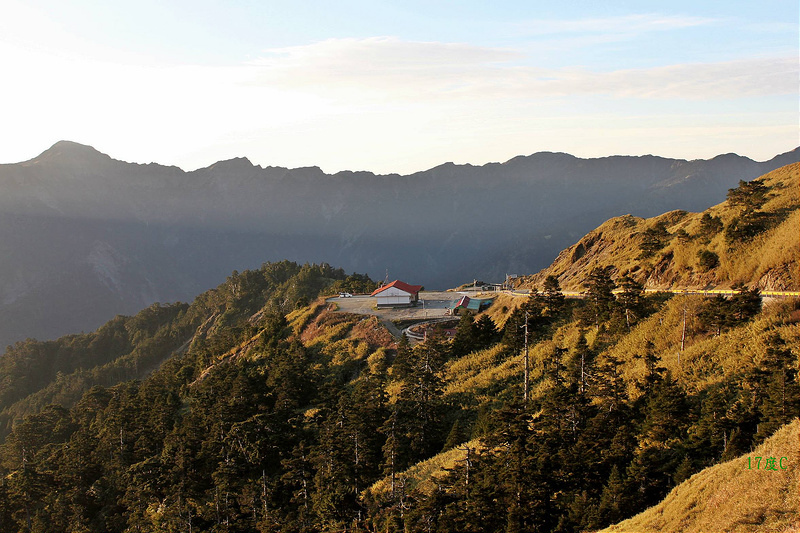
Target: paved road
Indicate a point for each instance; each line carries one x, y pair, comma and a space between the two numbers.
705, 292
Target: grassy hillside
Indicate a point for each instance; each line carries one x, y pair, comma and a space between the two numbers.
730, 496
725, 244
709, 361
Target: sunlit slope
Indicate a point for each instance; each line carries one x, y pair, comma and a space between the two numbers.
484, 377
688, 252
731, 497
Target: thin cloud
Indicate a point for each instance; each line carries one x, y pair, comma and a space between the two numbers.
628, 24
384, 69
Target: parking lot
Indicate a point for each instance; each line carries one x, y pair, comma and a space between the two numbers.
430, 305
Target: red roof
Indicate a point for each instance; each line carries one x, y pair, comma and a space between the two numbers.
411, 289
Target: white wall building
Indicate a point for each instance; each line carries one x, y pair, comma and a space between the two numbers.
397, 294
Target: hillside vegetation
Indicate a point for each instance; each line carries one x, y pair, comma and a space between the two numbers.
38, 373
735, 496
750, 238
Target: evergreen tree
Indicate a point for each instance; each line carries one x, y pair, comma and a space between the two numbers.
653, 374
609, 387
650, 474
631, 301
513, 334
781, 402
465, 339
614, 500
580, 366
707, 260
456, 436
522, 470
710, 226
653, 239
715, 315
744, 304
485, 332
709, 435
554, 300
599, 299
749, 195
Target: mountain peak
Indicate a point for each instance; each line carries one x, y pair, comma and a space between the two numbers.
232, 165
70, 152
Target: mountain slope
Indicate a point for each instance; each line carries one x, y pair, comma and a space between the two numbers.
36, 374
696, 250
94, 237
730, 496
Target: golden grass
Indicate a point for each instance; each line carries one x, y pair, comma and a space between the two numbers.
729, 497
465, 368
706, 359
771, 260
480, 371
424, 475
299, 318
502, 307
329, 334
344, 350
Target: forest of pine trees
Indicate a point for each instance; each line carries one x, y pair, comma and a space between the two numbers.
288, 436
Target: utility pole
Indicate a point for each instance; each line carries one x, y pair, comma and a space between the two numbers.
527, 361
683, 334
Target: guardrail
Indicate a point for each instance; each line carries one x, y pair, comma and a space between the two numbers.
419, 337
702, 292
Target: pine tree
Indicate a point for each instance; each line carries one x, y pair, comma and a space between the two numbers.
613, 501
456, 436
485, 332
609, 386
631, 300
464, 340
709, 436
554, 300
715, 315
599, 299
513, 335
580, 365
651, 472
749, 195
710, 226
653, 239
781, 403
745, 304
653, 374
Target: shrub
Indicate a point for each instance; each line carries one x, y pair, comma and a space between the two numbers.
707, 259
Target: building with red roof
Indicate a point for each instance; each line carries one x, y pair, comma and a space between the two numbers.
397, 294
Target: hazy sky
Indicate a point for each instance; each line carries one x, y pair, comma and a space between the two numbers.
397, 86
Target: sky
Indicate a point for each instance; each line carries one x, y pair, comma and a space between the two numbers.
397, 86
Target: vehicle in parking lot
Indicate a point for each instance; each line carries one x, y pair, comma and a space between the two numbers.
345, 295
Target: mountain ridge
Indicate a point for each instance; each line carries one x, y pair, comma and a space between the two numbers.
181, 232
69, 149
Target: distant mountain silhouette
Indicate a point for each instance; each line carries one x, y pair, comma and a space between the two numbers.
84, 236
